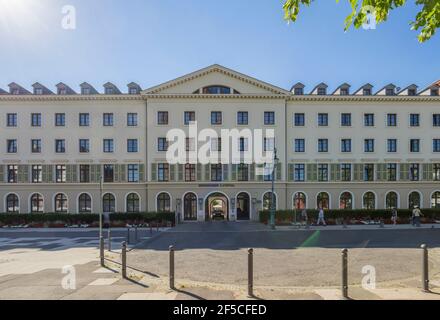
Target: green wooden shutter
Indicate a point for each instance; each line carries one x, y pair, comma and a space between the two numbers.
358, 172
261, 170
180, 170
381, 173
226, 172
428, 172
154, 172
279, 175
2, 173
290, 173
172, 172
48, 173
199, 172
335, 172
141, 172
95, 173
312, 172
252, 172
207, 172
123, 173
71, 174
234, 176
23, 174
404, 171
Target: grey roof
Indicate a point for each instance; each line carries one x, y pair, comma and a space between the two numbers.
345, 85
411, 86
110, 85
86, 85
63, 86
321, 85
365, 86
38, 85
14, 86
3, 91
388, 86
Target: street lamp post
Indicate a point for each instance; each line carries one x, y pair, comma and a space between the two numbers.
101, 212
272, 204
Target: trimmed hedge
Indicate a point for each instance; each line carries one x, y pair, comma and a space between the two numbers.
353, 216
92, 219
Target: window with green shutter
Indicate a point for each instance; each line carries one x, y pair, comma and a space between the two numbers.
141, 172
180, 172
404, 172
154, 172
48, 173
335, 172
279, 174
381, 174
226, 172
358, 172
234, 172
199, 172
290, 172
312, 172
71, 174
260, 177
428, 172
252, 172
23, 174
172, 172
2, 173
207, 168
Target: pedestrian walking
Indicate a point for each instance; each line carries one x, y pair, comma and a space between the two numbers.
394, 216
417, 213
321, 217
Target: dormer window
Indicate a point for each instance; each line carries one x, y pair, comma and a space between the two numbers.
109, 91
367, 92
62, 91
85, 91
412, 92
434, 92
216, 90
344, 92
15, 91
299, 91
389, 92
133, 91
322, 91
38, 91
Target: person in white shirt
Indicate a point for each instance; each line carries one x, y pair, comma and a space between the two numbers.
321, 217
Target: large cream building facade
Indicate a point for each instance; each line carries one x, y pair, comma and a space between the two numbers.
339, 149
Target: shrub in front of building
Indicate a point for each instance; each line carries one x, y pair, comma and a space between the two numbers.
287, 217
60, 220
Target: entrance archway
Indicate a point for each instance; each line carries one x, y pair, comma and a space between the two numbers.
243, 206
216, 206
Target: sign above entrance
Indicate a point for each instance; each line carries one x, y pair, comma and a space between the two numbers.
216, 185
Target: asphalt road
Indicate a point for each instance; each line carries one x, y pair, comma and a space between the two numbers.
235, 236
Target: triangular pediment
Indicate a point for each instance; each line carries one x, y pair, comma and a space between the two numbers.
216, 75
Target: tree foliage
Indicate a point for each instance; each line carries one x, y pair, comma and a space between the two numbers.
426, 21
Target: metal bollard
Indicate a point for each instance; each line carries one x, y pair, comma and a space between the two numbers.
101, 251
124, 260
109, 239
345, 273
172, 268
425, 268
382, 225
128, 235
250, 272
151, 230
136, 234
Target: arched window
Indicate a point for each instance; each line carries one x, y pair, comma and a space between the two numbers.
392, 200
61, 203
163, 202
12, 203
346, 201
299, 201
267, 201
84, 203
369, 201
37, 203
190, 207
414, 200
133, 203
435, 200
108, 203
323, 201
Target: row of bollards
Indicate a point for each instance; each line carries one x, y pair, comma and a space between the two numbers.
425, 271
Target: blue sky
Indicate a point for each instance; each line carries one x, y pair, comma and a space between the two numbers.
152, 41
